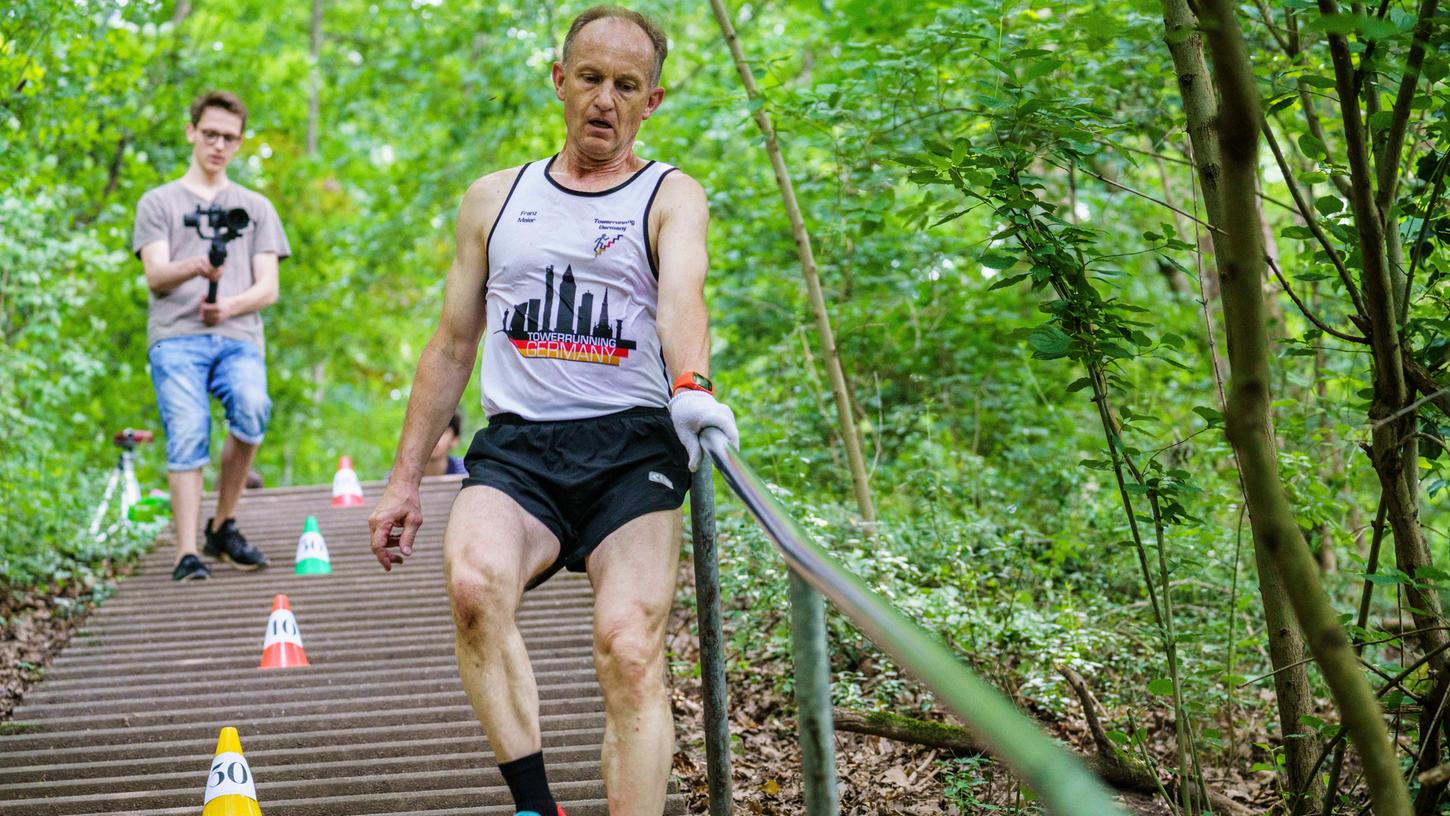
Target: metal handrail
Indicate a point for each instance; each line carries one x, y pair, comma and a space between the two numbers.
1063, 782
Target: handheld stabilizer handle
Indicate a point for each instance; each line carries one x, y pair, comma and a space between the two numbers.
226, 225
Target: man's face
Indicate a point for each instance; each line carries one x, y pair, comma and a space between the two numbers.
606, 87
215, 138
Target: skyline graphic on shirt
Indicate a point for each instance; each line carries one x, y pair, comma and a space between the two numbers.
559, 327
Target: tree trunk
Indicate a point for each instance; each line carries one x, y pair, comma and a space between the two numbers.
314, 103
1247, 421
1286, 644
850, 439
1392, 449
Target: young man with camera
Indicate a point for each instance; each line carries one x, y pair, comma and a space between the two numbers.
584, 275
210, 249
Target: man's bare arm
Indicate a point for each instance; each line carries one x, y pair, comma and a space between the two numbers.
164, 274
263, 291
447, 360
682, 321
443, 368
261, 294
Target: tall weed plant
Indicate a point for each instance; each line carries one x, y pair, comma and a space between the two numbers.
53, 457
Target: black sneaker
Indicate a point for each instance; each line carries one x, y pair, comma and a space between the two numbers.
190, 568
227, 544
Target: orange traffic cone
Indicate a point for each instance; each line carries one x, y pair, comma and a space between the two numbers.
230, 790
346, 490
282, 648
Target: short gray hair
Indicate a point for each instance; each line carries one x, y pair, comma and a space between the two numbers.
656, 35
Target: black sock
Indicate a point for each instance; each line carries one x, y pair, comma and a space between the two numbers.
529, 784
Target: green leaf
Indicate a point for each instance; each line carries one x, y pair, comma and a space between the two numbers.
1282, 101
1049, 340
997, 260
1365, 25
1328, 205
1312, 147
1163, 687
1040, 68
1210, 415
1383, 580
1010, 280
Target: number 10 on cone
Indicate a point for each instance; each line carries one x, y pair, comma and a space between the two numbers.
282, 646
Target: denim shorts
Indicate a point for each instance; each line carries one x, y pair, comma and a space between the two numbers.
185, 371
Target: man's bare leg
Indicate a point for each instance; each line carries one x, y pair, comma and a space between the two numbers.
491, 549
185, 507
237, 459
633, 573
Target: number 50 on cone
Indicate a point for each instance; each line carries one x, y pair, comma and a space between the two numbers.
229, 787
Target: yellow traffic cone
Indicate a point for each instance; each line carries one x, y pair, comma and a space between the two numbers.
229, 787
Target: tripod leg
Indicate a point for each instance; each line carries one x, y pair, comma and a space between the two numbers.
105, 501
130, 488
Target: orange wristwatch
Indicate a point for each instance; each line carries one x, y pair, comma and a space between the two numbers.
695, 381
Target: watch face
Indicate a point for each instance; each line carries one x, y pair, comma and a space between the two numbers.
703, 381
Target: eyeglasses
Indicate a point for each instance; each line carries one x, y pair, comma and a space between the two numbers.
227, 139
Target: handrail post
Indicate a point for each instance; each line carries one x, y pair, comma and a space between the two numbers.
813, 697
712, 639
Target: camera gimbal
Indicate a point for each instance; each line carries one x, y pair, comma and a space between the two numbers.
226, 225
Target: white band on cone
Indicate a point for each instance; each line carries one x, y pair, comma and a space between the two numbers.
282, 628
311, 545
345, 483
230, 775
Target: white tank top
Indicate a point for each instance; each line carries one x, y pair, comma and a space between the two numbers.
571, 300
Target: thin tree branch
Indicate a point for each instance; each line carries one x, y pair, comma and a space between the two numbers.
1304, 309
1338, 738
1436, 775
1418, 249
1370, 47
1389, 159
1411, 407
1316, 129
1269, 24
1310, 220
1424, 382
1125, 188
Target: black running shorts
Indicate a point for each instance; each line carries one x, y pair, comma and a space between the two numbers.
583, 478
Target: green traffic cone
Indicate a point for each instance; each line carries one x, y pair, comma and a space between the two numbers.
312, 558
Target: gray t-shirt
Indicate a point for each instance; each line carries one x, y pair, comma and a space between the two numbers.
178, 312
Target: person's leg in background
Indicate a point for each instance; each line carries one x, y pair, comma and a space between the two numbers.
179, 370
239, 381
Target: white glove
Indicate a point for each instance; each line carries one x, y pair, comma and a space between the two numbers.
693, 411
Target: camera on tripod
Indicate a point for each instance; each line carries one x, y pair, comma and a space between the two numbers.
226, 225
